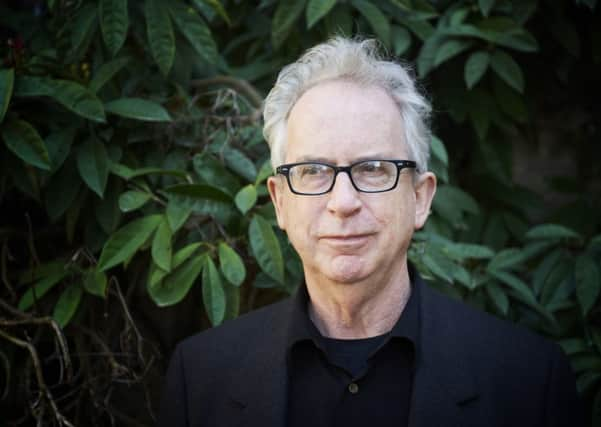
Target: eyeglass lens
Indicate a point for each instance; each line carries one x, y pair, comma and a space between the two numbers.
372, 175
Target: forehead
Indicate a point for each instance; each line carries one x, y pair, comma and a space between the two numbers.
343, 121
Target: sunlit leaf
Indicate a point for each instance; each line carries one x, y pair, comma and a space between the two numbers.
171, 288
132, 200
95, 282
126, 241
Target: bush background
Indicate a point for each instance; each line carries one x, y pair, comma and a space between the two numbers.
132, 179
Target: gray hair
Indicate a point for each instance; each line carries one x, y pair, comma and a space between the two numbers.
354, 60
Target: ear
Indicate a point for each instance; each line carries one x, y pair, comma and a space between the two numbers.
276, 191
425, 188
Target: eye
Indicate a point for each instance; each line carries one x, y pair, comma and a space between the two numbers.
372, 167
312, 170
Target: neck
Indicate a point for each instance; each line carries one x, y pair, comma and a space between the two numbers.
358, 310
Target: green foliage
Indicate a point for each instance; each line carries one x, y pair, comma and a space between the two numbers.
132, 160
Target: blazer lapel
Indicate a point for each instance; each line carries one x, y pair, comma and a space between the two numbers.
444, 387
258, 388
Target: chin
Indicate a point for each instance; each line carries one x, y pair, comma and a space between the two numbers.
347, 269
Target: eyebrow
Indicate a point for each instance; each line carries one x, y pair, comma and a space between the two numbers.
375, 156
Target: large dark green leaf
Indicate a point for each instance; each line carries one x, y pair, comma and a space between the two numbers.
7, 81
266, 248
59, 145
139, 109
231, 264
177, 214
95, 282
285, 16
499, 298
246, 198
475, 67
588, 282
93, 165
317, 9
240, 163
450, 49
132, 200
67, 304
506, 68
213, 294
127, 240
518, 285
401, 39
106, 72
71, 95
61, 190
161, 246
169, 289
22, 139
377, 20
83, 27
211, 171
196, 31
160, 34
114, 22
552, 231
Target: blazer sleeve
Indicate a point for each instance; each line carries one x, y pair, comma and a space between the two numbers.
174, 409
563, 404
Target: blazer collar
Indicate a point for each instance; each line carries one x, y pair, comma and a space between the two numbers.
443, 383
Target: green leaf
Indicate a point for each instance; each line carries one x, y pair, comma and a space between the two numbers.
106, 72
475, 67
552, 231
54, 275
7, 82
177, 284
132, 200
70, 95
486, 6
451, 201
127, 240
59, 145
498, 297
160, 34
377, 20
463, 251
231, 265
213, 294
432, 261
266, 248
138, 109
67, 305
588, 282
210, 170
23, 140
427, 54
517, 285
200, 192
92, 162
83, 27
95, 282
401, 39
240, 163
232, 301
439, 151
177, 215
450, 49
161, 246
317, 9
246, 198
194, 30
61, 190
114, 22
265, 172
506, 68
510, 102
285, 16
128, 174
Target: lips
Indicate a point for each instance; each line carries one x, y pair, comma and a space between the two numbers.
346, 240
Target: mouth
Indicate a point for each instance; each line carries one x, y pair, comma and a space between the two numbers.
346, 239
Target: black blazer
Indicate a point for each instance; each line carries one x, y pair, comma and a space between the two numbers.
473, 370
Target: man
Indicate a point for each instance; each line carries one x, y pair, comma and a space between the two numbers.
365, 342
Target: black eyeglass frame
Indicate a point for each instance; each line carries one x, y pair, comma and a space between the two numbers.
400, 164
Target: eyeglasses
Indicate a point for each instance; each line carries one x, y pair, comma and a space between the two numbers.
367, 176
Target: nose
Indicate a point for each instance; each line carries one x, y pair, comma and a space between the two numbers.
344, 198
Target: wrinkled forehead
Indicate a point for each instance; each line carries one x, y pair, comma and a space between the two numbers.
343, 119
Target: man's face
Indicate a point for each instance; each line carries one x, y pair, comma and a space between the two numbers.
347, 236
